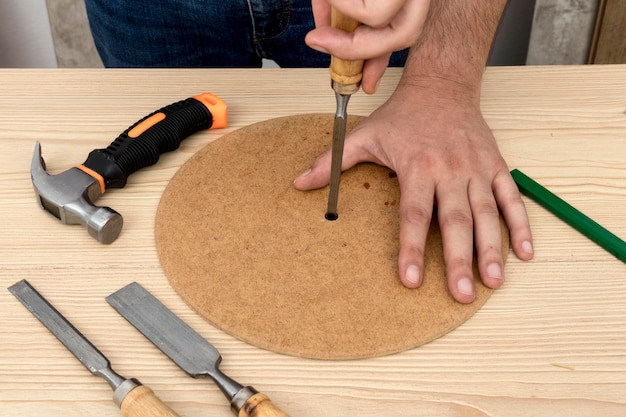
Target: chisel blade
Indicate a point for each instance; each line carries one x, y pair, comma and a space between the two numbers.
339, 136
58, 325
190, 351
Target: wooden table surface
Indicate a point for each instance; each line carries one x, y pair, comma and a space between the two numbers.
551, 342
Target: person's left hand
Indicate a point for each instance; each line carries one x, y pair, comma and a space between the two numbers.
386, 26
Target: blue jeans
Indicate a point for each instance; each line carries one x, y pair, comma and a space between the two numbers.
205, 33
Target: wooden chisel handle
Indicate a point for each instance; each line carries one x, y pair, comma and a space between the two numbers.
259, 405
142, 402
342, 72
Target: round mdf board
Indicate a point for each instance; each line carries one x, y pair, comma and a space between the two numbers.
256, 257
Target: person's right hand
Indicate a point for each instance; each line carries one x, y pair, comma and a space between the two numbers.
387, 26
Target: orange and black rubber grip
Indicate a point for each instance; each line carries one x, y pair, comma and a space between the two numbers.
143, 143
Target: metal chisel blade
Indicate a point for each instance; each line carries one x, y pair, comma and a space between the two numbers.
190, 351
58, 325
339, 136
169, 333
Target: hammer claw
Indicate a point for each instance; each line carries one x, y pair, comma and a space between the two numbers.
37, 165
68, 196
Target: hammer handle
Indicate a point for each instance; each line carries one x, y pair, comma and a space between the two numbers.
162, 131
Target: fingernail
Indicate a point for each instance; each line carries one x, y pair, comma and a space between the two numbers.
465, 286
494, 271
527, 247
318, 48
305, 173
376, 86
412, 275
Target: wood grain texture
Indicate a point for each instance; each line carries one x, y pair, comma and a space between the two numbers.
142, 402
259, 405
550, 342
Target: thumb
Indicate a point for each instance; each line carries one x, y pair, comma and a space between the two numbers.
318, 175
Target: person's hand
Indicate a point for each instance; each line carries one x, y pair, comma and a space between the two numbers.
387, 26
437, 141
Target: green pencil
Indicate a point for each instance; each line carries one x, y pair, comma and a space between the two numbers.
570, 215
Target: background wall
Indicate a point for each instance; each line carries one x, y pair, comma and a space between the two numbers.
72, 36
44, 33
562, 31
25, 37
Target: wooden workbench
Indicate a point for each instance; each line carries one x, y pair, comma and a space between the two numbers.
551, 342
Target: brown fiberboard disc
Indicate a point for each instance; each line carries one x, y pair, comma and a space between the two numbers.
256, 257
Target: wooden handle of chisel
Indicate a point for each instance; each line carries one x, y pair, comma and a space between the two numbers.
341, 71
259, 405
142, 402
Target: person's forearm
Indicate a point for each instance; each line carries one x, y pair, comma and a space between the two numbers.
455, 43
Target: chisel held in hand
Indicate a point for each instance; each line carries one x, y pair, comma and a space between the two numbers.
345, 80
134, 399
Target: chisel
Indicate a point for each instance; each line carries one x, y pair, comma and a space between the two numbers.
190, 351
135, 399
345, 80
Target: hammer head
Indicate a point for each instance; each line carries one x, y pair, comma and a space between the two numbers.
69, 197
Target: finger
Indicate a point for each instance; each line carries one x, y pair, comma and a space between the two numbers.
387, 26
373, 70
321, 12
416, 209
371, 13
364, 43
514, 212
487, 235
455, 219
396, 26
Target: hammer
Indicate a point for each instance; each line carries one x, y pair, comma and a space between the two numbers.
70, 195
